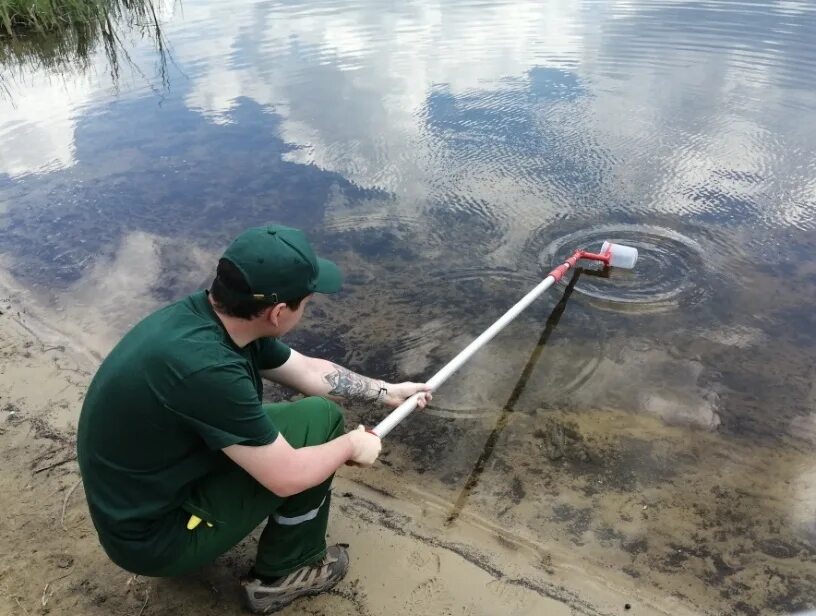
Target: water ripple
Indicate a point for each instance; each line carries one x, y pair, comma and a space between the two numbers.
668, 270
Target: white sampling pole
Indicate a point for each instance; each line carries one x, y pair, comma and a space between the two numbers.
614, 254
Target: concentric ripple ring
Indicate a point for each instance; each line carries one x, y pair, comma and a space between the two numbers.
668, 271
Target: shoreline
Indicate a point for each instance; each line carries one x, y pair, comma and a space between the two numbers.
406, 558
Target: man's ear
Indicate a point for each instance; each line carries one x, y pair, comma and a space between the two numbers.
272, 314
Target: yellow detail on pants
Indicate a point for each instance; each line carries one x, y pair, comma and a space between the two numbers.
194, 521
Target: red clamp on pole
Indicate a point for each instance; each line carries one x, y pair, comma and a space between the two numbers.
594, 256
558, 272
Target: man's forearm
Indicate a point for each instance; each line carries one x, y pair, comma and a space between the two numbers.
284, 470
311, 466
314, 376
342, 383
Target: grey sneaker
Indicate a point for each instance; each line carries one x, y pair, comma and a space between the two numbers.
265, 597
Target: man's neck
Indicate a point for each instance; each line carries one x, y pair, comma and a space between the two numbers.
241, 331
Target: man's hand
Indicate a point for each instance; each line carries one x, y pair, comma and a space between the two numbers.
400, 392
365, 446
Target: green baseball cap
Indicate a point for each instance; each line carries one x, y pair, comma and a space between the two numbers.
279, 264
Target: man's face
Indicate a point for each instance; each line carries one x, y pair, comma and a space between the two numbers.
287, 318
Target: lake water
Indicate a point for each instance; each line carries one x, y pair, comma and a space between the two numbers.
659, 425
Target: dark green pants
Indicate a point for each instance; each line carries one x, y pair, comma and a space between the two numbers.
236, 504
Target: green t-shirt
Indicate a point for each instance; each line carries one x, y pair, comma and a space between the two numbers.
173, 393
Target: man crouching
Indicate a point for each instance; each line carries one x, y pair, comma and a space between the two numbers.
180, 458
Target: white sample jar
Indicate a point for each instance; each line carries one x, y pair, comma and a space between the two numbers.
620, 256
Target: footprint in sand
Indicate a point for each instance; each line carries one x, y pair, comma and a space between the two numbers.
431, 597
516, 599
418, 560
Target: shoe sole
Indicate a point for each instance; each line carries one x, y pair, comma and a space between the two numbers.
268, 609
306, 593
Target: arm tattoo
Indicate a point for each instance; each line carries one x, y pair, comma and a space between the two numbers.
350, 385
